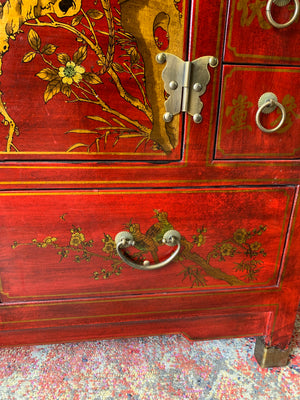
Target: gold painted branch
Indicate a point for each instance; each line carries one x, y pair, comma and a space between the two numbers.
102, 59
12, 126
211, 271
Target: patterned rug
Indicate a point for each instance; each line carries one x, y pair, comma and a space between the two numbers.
152, 368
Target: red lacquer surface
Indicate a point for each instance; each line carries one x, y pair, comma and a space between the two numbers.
81, 89
239, 137
252, 39
62, 244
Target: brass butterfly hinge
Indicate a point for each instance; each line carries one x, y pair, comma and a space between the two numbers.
185, 82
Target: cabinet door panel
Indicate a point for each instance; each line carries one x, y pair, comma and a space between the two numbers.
239, 137
81, 82
252, 38
61, 244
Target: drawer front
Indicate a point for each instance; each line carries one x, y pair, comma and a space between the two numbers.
61, 244
239, 135
252, 38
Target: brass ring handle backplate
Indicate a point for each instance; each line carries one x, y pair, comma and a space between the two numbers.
125, 239
281, 3
266, 104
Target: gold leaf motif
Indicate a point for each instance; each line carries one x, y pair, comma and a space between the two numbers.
118, 67
52, 89
34, 40
96, 118
80, 55
63, 58
134, 55
47, 74
95, 14
66, 90
48, 49
76, 20
9, 30
29, 57
91, 78
81, 131
75, 146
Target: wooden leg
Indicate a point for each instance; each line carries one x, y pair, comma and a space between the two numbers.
270, 356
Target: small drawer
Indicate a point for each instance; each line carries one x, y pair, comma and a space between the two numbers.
254, 36
274, 136
57, 245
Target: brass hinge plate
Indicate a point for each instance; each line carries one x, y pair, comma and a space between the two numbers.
185, 82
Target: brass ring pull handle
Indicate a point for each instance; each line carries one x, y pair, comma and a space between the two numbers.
266, 104
125, 239
281, 3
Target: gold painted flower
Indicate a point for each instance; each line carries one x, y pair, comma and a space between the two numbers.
255, 246
71, 73
76, 239
227, 249
199, 239
240, 236
109, 244
49, 240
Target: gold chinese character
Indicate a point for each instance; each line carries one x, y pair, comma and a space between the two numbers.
290, 107
252, 9
239, 113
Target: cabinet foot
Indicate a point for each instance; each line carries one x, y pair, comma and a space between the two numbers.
268, 356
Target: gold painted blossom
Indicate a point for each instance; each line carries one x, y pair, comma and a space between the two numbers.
71, 72
48, 241
76, 239
199, 239
109, 244
240, 236
255, 246
227, 249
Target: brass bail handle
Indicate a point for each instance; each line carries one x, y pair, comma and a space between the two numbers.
281, 3
267, 103
125, 239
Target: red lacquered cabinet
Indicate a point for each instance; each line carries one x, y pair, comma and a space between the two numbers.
150, 171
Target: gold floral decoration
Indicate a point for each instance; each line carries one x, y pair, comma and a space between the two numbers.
73, 76
199, 239
241, 246
240, 236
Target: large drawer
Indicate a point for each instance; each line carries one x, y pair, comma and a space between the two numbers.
61, 244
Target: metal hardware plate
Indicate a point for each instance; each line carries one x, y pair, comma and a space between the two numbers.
281, 3
185, 82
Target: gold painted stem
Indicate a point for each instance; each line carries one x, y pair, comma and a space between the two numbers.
10, 122
105, 107
111, 34
215, 273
